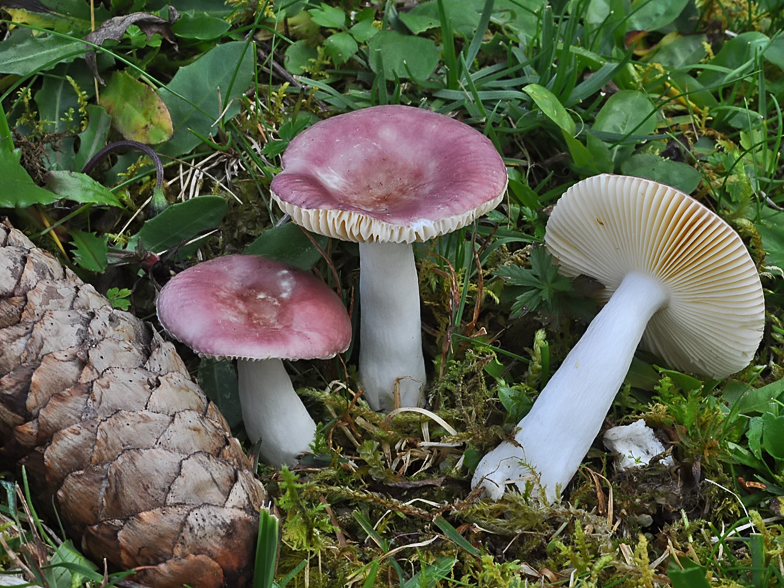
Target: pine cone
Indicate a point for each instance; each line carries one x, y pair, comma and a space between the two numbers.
103, 414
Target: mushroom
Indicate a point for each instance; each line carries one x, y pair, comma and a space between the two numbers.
677, 277
384, 177
259, 311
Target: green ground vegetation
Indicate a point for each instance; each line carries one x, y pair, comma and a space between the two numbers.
687, 92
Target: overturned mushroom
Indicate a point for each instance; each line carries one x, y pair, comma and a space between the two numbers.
676, 277
385, 177
259, 311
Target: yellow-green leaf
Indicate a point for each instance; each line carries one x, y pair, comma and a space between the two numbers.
138, 113
550, 106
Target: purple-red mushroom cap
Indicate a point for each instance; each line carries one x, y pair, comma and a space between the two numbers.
389, 173
249, 307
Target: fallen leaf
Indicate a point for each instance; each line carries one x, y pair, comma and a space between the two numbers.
115, 28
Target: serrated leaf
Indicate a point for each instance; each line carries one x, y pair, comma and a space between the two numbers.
331, 17
518, 276
180, 222
218, 379
80, 188
24, 55
90, 250
17, 188
208, 89
138, 113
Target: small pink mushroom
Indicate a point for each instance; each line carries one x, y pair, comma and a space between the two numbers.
385, 177
259, 311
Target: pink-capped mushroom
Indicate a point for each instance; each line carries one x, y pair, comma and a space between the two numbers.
260, 312
385, 177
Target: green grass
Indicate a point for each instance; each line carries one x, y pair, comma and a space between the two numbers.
564, 90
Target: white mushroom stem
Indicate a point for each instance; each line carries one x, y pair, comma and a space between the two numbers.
273, 412
554, 437
390, 352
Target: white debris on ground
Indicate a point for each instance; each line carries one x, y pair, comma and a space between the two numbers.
635, 445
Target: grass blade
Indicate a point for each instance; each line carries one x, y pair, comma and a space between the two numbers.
266, 550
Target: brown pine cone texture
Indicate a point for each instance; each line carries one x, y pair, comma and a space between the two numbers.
103, 414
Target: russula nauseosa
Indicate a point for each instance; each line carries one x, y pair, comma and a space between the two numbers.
677, 278
259, 311
384, 177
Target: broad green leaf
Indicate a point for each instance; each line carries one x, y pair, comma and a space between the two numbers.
736, 53
93, 138
580, 155
17, 188
423, 17
340, 47
218, 379
90, 250
7, 139
672, 173
211, 7
775, 52
759, 400
137, 112
201, 93
684, 382
675, 51
602, 157
180, 222
524, 194
773, 435
771, 230
200, 26
70, 568
23, 54
754, 435
651, 15
403, 54
331, 17
80, 187
288, 243
299, 57
625, 113
58, 109
549, 105
605, 21
691, 577
515, 401
363, 30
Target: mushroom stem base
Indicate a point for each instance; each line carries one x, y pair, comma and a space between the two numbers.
390, 353
273, 412
553, 438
